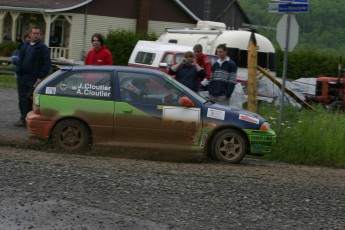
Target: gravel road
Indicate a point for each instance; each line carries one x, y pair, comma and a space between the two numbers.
106, 188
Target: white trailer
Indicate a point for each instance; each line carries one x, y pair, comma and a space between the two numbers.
211, 34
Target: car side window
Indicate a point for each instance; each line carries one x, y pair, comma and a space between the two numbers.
169, 59
145, 58
147, 89
96, 84
179, 57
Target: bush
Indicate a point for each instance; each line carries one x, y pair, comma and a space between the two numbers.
121, 44
7, 48
307, 63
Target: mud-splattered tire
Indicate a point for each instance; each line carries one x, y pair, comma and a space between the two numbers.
229, 146
71, 135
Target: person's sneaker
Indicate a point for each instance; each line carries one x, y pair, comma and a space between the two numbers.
20, 123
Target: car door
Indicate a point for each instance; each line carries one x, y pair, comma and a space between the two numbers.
148, 111
84, 95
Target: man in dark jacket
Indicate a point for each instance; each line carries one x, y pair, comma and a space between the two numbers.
33, 65
223, 79
188, 72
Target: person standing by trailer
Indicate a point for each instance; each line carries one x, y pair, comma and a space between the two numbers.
99, 55
33, 65
204, 63
223, 79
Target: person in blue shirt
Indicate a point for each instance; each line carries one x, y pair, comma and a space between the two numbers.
223, 79
15, 56
188, 72
33, 65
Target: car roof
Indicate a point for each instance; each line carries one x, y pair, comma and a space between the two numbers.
111, 68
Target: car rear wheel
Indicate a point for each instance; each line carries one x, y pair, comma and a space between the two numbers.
71, 135
229, 146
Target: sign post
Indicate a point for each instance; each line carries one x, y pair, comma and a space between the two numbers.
287, 35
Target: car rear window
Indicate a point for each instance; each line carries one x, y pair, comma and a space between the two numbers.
81, 84
145, 58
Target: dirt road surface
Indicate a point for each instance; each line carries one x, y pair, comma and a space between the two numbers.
42, 188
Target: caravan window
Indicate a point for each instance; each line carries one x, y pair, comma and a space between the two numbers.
240, 57
145, 58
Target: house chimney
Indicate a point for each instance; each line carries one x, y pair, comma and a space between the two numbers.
143, 16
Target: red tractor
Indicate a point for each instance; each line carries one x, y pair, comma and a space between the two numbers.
330, 91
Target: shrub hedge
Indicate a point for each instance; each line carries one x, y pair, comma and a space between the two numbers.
121, 43
7, 48
307, 63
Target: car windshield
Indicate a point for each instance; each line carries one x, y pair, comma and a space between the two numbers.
191, 92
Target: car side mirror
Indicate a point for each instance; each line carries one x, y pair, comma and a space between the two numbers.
163, 65
186, 102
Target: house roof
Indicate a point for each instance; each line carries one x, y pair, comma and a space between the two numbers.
42, 6
193, 8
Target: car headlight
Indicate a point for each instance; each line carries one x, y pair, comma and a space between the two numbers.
265, 126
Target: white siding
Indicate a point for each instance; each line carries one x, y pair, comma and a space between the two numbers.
159, 27
81, 43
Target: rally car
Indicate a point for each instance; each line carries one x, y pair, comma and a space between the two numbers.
78, 106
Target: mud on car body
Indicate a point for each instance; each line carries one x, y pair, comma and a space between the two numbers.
78, 106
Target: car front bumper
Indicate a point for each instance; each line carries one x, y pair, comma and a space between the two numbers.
260, 141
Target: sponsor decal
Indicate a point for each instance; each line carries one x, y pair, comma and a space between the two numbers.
181, 114
216, 114
249, 119
50, 90
93, 90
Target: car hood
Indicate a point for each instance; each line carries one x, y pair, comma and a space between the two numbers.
226, 115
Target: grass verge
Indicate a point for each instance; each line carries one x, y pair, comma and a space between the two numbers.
307, 137
7, 80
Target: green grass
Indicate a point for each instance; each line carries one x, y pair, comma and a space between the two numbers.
7, 80
307, 137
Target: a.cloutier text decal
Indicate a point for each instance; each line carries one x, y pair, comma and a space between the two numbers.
93, 90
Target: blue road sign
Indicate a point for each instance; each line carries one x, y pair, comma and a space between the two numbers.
296, 8
291, 1
287, 8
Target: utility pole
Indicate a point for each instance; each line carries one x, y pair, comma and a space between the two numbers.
252, 67
207, 10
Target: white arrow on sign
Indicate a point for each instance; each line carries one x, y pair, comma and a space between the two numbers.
282, 28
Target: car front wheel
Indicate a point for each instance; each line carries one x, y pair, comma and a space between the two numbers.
229, 146
71, 135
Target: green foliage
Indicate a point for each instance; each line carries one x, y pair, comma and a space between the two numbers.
310, 137
307, 63
7, 48
121, 43
315, 33
319, 45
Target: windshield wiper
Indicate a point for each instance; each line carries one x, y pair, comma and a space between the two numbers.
208, 100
